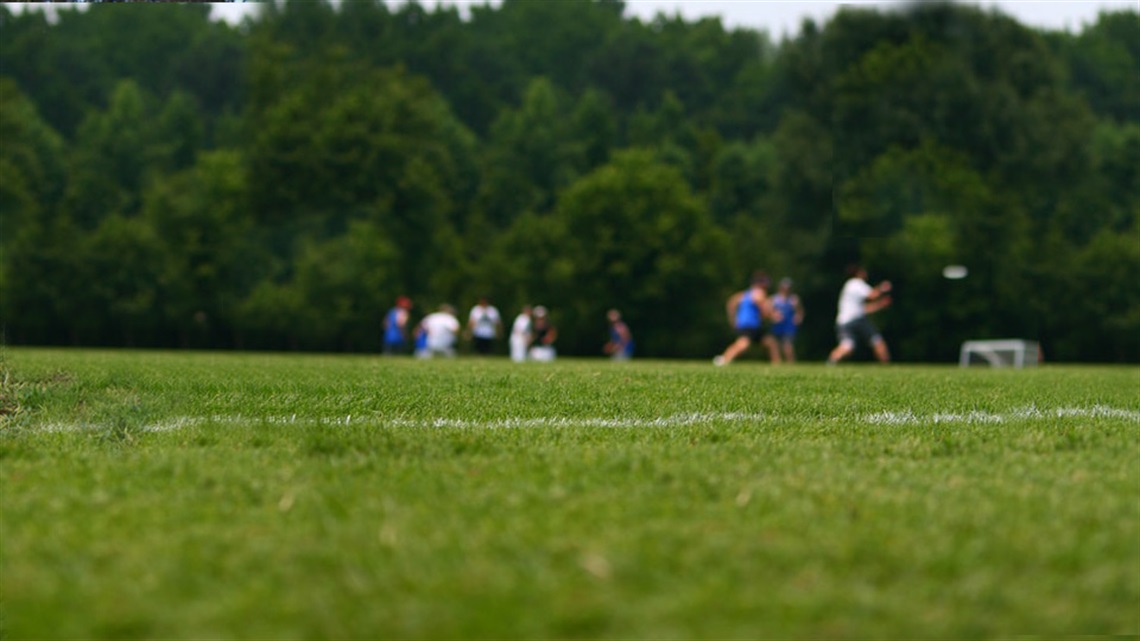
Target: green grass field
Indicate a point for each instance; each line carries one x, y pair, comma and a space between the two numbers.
192, 495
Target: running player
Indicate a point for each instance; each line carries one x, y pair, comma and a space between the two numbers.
857, 302
746, 311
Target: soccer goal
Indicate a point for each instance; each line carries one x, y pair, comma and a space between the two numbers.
1000, 353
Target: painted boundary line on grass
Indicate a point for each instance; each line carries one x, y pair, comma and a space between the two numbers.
976, 417
905, 417
679, 420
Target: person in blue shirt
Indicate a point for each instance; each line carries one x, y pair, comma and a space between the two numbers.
787, 304
419, 342
746, 312
620, 345
396, 326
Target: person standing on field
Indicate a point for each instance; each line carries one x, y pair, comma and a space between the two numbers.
419, 342
746, 312
791, 312
520, 335
396, 326
620, 345
857, 302
484, 324
543, 335
442, 328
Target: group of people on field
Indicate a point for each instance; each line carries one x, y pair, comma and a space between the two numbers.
531, 337
755, 316
748, 310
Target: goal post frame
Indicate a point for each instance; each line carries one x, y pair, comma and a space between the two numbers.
1023, 352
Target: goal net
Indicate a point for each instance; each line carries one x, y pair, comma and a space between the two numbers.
1000, 353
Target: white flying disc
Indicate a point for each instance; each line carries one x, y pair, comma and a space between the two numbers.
955, 272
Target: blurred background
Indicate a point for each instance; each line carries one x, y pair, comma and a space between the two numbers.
274, 176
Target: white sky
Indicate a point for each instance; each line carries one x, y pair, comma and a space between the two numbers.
783, 17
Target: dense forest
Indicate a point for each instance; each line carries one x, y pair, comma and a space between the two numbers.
171, 181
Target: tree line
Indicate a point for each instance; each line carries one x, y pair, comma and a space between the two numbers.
173, 181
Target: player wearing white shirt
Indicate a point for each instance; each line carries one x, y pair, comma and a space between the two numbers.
441, 328
484, 324
856, 302
520, 335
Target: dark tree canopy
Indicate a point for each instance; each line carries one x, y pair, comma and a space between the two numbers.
170, 180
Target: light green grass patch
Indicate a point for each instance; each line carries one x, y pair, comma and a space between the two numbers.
282, 496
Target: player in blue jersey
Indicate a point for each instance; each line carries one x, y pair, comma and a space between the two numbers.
396, 326
419, 342
787, 305
746, 312
620, 345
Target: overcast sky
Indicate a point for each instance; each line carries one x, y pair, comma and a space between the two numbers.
783, 17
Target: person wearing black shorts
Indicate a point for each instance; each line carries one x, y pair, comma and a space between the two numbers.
857, 302
484, 322
746, 311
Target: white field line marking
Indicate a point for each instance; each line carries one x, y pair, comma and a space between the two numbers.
905, 417
1024, 414
180, 422
508, 423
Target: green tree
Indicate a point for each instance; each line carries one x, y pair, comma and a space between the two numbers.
343, 143
743, 175
470, 62
71, 65
549, 38
593, 131
1104, 64
180, 133
210, 255
529, 157
1105, 325
347, 284
638, 239
112, 158
272, 316
123, 252
40, 301
55, 64
251, 177
522, 263
629, 67
31, 161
